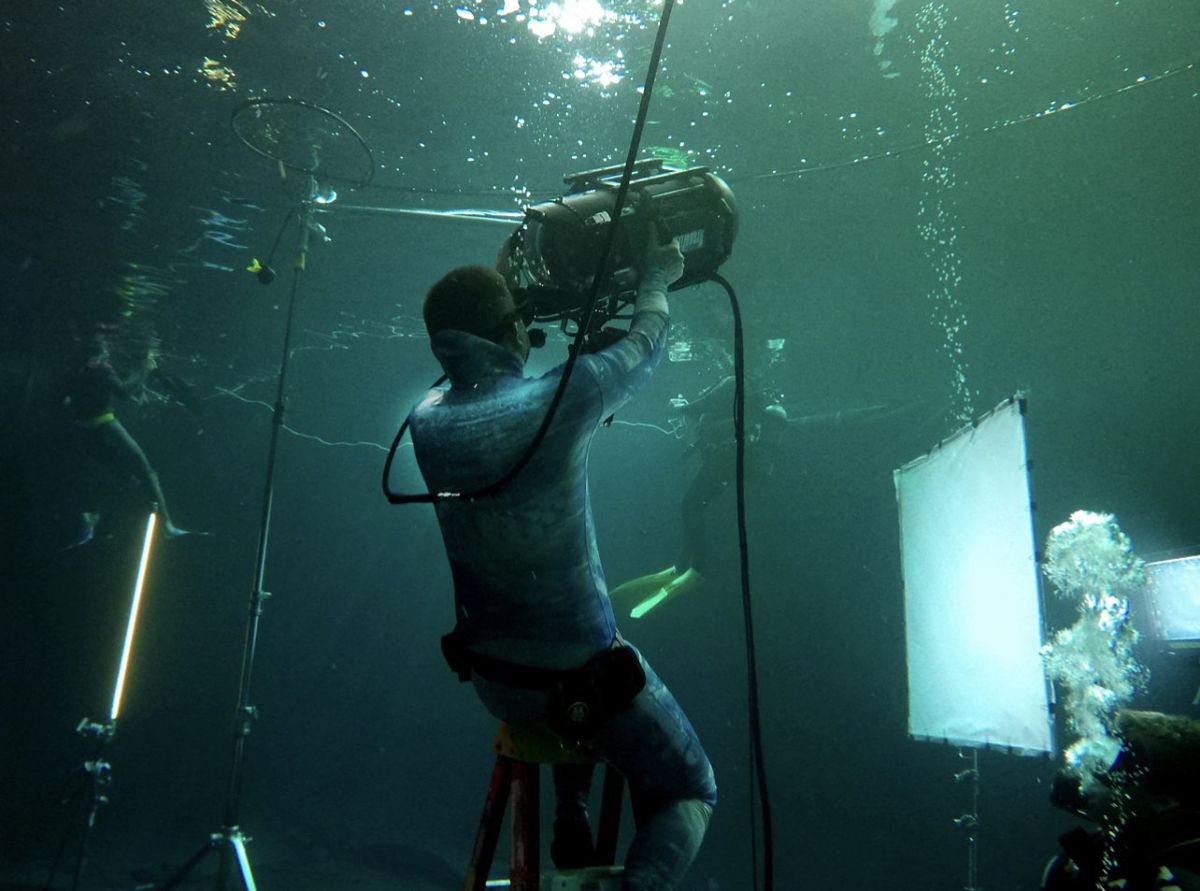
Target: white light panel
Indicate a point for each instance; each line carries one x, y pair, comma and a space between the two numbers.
971, 601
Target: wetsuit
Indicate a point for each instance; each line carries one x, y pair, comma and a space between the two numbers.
528, 585
91, 393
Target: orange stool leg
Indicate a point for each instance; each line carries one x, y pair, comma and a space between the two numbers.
489, 825
526, 826
517, 779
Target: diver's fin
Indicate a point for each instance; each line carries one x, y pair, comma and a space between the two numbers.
645, 586
648, 604
685, 581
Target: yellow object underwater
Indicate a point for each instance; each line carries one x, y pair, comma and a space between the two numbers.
643, 586
650, 590
648, 604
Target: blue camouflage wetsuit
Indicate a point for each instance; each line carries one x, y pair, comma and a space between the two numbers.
528, 585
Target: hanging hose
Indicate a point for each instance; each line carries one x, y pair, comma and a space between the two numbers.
755, 723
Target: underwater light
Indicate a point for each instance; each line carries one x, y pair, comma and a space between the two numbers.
972, 605
134, 607
551, 260
1173, 598
96, 772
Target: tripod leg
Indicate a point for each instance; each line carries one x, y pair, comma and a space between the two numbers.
184, 871
238, 841
81, 856
66, 839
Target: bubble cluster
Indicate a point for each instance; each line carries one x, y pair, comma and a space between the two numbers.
1006, 50
937, 213
1089, 560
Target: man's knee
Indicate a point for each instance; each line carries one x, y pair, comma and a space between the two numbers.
696, 814
666, 845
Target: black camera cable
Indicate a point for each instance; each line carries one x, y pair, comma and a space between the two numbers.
757, 763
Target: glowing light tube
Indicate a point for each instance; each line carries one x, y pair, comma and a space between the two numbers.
131, 626
971, 602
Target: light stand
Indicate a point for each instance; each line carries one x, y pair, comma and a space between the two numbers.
97, 772
301, 137
969, 822
230, 840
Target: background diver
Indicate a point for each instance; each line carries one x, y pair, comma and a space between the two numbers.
706, 425
90, 392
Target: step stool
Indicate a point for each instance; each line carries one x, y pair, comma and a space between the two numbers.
520, 752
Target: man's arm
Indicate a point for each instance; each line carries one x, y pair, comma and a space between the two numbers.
623, 368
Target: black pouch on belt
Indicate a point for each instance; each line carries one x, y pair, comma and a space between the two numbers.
582, 700
457, 656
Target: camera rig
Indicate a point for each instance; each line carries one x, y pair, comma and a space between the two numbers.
551, 261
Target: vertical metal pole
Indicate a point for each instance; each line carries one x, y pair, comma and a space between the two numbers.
970, 821
246, 713
973, 833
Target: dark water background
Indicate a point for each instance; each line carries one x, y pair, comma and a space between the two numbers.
1076, 239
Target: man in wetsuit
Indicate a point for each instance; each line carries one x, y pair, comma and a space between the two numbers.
531, 603
90, 395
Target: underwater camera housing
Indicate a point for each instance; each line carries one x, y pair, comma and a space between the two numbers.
551, 260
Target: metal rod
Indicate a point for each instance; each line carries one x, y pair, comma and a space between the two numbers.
239, 846
973, 834
494, 217
969, 822
245, 711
